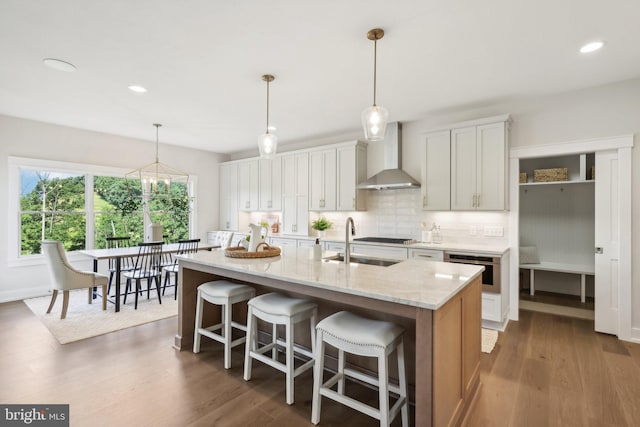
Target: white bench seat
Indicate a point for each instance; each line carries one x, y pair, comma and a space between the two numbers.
559, 267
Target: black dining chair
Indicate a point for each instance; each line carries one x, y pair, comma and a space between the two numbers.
126, 263
184, 247
146, 267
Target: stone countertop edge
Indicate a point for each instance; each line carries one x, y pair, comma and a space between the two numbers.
417, 283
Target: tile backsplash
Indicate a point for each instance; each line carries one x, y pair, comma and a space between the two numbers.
398, 213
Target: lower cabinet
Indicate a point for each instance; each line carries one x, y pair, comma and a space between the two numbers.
427, 254
492, 307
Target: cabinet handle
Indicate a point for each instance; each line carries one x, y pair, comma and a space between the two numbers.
478, 201
474, 201
424, 201
269, 204
424, 256
353, 202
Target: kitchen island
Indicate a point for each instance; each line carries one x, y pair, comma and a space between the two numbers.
438, 304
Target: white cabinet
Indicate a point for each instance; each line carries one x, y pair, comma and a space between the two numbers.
351, 169
248, 185
295, 194
270, 184
426, 254
436, 172
388, 252
479, 167
282, 242
322, 180
334, 246
229, 196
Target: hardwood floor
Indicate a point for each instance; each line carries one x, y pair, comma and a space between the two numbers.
545, 371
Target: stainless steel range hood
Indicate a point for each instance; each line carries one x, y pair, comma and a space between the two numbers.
392, 177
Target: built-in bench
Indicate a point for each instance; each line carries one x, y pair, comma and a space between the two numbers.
582, 269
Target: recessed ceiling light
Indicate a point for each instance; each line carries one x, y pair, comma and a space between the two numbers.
591, 47
137, 88
59, 65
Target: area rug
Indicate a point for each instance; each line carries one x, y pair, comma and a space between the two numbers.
89, 320
489, 339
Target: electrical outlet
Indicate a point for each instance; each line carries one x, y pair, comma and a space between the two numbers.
493, 231
473, 230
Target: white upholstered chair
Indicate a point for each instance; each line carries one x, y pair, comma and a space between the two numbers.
65, 278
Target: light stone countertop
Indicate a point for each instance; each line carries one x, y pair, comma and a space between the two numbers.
414, 282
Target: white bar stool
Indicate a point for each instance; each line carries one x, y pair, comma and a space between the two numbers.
279, 310
364, 337
225, 294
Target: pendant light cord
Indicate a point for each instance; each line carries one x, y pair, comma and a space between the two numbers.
267, 106
375, 51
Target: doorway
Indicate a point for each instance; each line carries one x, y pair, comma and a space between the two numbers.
611, 227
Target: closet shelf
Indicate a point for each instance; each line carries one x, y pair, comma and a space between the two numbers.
530, 184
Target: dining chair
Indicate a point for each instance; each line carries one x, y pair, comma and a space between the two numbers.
64, 277
146, 267
126, 263
184, 247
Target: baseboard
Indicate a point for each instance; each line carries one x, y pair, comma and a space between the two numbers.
498, 326
635, 335
20, 294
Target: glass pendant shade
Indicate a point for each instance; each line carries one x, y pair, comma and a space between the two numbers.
374, 122
268, 145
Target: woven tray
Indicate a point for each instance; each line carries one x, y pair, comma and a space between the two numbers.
240, 252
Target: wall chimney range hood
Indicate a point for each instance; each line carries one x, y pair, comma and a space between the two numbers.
392, 177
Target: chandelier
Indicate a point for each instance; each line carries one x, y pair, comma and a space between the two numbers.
156, 178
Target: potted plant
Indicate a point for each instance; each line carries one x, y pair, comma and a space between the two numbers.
321, 225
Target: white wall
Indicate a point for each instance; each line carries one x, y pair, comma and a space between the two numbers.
26, 138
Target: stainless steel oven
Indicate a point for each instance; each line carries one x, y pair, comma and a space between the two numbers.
491, 273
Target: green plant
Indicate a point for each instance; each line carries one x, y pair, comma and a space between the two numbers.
321, 224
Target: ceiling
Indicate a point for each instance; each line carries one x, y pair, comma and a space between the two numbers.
201, 61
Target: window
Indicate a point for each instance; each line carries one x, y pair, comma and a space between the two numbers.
81, 205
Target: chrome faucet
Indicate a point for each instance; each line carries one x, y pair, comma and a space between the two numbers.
347, 247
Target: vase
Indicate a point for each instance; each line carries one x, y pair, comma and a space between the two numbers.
155, 233
321, 233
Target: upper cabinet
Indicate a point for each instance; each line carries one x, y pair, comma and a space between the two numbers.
322, 180
464, 168
352, 170
295, 192
248, 185
229, 196
436, 172
270, 184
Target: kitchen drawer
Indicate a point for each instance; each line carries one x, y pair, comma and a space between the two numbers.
491, 307
427, 254
279, 241
334, 246
380, 251
304, 243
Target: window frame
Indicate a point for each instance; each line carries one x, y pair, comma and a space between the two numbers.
14, 231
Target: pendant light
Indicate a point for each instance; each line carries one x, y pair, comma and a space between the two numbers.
267, 142
374, 118
155, 178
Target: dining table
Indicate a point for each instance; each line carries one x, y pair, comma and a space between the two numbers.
119, 253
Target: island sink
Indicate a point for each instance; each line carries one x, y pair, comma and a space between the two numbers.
362, 260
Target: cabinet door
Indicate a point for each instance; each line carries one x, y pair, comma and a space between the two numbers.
351, 170
436, 172
270, 184
229, 197
248, 185
491, 167
322, 175
463, 168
